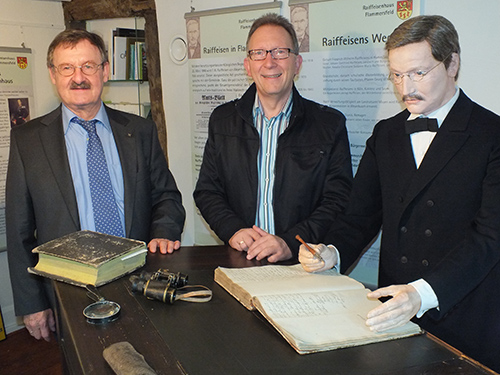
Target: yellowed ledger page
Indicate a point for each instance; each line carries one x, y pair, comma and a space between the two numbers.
246, 283
320, 321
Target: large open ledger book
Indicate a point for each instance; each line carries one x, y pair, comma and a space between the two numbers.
87, 257
313, 311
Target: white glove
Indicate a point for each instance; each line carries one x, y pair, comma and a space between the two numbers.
325, 259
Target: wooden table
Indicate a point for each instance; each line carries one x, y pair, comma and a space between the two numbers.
221, 336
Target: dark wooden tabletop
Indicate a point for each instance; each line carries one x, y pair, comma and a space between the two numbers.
221, 336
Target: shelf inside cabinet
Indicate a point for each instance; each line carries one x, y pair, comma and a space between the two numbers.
125, 42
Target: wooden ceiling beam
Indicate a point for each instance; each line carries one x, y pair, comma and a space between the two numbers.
80, 10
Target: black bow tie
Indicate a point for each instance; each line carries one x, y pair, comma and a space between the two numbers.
421, 124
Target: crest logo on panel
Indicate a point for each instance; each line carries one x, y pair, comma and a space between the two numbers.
405, 9
22, 62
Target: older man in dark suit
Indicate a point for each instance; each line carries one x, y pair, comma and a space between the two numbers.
50, 181
433, 185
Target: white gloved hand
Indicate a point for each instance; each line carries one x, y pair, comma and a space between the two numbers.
313, 263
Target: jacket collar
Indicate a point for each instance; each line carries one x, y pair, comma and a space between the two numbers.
124, 134
451, 136
52, 139
54, 145
244, 105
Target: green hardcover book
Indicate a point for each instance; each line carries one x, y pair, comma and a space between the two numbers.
87, 257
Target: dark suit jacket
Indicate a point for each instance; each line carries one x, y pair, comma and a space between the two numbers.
440, 222
41, 202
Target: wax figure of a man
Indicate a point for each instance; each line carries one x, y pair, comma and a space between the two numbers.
435, 192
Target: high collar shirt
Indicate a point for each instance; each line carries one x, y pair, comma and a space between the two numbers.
421, 141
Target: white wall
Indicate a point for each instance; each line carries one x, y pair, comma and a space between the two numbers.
31, 24
477, 26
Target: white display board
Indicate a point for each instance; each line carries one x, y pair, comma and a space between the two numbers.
16, 103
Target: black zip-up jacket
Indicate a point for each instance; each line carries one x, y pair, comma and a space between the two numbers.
313, 172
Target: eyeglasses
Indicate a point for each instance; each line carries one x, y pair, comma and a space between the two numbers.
417, 76
276, 53
67, 70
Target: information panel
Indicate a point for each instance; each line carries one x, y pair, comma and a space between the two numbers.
16, 101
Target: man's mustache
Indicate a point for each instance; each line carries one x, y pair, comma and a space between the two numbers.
81, 85
412, 96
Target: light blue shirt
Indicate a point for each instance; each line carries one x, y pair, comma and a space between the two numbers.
76, 139
269, 131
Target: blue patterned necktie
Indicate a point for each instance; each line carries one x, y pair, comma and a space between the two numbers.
106, 217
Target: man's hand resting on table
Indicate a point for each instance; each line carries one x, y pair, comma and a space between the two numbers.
259, 244
164, 245
313, 263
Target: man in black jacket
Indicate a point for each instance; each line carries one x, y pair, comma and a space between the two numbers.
275, 164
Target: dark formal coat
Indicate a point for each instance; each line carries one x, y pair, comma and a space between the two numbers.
41, 203
440, 222
313, 172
